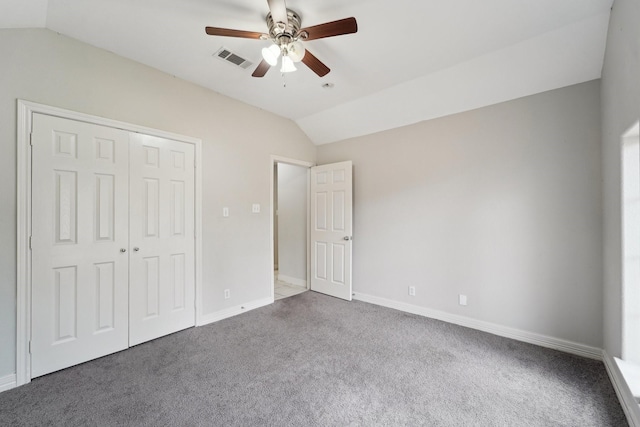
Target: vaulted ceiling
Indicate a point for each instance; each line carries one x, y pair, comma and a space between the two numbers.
409, 61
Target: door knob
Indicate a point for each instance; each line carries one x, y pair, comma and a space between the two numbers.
347, 237
136, 249
123, 250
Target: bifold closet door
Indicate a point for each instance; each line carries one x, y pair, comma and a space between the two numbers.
162, 239
80, 236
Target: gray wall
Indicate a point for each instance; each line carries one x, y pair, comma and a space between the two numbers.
620, 110
502, 204
41, 66
292, 221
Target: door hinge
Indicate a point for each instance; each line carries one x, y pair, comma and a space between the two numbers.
31, 139
30, 246
29, 347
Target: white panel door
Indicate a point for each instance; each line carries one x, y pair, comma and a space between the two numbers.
162, 276
331, 228
79, 232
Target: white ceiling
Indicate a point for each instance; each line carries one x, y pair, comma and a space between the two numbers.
409, 61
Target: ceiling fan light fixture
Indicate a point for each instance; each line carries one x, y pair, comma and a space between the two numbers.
271, 54
296, 51
285, 31
287, 65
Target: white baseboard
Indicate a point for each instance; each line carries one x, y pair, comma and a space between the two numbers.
8, 382
233, 311
629, 405
503, 331
292, 280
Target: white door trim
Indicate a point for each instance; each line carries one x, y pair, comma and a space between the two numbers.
274, 160
26, 109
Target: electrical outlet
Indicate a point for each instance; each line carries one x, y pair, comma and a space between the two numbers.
255, 208
412, 291
462, 299
227, 294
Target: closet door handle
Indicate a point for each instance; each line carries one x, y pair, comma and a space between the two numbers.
136, 249
123, 250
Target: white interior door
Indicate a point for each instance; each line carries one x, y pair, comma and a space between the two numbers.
162, 277
79, 230
331, 229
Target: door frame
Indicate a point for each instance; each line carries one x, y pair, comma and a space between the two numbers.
26, 109
273, 162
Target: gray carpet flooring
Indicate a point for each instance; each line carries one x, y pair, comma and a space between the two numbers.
313, 360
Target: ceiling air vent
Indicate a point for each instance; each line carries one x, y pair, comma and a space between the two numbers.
226, 55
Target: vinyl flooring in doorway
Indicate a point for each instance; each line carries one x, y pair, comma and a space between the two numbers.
284, 290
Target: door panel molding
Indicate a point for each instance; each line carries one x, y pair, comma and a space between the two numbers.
26, 109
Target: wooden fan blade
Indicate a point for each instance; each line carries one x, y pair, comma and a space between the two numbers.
315, 64
225, 32
261, 69
330, 29
278, 10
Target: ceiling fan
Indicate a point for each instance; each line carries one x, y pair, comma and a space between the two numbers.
285, 33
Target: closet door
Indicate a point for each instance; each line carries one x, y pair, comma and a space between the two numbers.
80, 235
162, 274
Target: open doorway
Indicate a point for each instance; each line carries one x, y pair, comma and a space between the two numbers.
290, 227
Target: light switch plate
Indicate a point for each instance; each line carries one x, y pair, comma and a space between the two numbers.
225, 212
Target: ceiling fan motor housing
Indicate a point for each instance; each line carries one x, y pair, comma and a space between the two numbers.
283, 33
